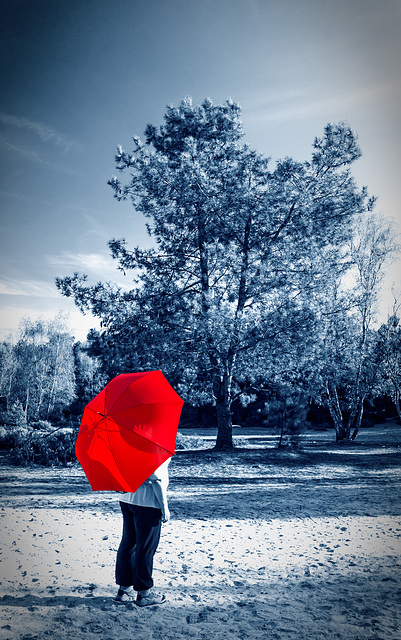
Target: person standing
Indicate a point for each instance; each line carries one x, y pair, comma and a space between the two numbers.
143, 513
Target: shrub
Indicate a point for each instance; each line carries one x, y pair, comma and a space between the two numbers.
15, 415
10, 436
47, 450
42, 425
184, 442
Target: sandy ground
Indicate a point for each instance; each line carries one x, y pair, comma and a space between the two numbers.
262, 544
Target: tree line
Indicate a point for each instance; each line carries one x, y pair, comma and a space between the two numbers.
46, 379
262, 283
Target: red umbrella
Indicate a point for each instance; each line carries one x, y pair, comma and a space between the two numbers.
128, 430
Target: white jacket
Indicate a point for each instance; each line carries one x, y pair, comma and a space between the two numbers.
145, 496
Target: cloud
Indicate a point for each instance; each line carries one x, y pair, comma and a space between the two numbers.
92, 261
43, 131
97, 266
25, 153
305, 102
29, 288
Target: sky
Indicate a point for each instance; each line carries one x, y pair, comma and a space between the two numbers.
79, 77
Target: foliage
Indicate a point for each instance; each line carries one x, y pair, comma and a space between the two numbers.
8, 370
242, 254
345, 341
15, 415
37, 385
289, 415
37, 372
11, 436
33, 447
387, 359
90, 377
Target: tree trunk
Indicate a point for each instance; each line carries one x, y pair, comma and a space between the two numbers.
9, 389
222, 385
40, 381
397, 400
281, 423
27, 401
342, 430
52, 393
358, 421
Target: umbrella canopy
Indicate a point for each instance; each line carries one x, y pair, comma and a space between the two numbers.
128, 430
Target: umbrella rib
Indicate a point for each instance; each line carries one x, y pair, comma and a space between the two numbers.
107, 432
85, 427
118, 466
147, 439
152, 403
125, 390
120, 426
110, 447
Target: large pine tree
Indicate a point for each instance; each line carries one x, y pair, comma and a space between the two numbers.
240, 251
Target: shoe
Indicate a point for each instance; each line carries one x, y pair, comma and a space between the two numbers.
147, 598
125, 596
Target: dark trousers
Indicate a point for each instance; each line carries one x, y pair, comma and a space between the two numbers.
141, 535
